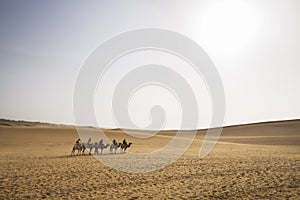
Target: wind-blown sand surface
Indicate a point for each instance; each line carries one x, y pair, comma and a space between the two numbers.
258, 161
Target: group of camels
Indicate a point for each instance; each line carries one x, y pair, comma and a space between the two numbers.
81, 147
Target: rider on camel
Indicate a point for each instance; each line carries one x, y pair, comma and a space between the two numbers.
101, 141
124, 141
115, 142
90, 141
78, 141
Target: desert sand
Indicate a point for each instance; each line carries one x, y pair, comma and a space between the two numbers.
256, 161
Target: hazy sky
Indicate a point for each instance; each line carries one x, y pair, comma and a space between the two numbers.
255, 46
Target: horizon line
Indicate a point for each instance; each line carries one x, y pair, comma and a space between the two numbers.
43, 123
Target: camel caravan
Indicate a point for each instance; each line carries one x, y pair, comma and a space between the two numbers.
81, 147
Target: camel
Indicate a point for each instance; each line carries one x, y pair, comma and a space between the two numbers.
114, 146
100, 146
124, 146
79, 147
89, 146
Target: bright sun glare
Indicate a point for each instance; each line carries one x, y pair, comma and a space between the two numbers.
229, 26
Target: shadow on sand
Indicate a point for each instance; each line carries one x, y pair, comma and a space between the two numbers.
75, 156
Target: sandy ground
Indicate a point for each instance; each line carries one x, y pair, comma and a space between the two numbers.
260, 161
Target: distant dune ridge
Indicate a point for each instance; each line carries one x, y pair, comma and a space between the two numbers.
256, 161
267, 133
9, 122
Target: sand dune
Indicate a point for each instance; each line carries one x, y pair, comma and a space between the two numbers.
249, 161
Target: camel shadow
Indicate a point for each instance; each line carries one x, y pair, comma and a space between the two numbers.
84, 155
70, 156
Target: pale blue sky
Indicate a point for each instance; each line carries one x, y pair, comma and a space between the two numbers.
255, 46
